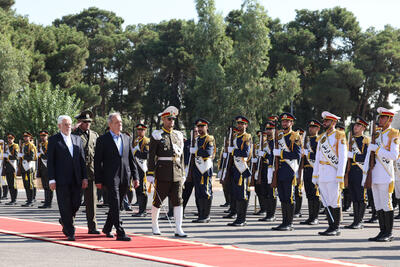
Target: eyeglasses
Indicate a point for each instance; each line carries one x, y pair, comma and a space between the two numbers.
170, 119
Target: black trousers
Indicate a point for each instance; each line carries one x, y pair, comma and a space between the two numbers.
69, 200
115, 194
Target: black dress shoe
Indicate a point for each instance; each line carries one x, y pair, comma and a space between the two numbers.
71, 238
45, 206
109, 234
11, 203
143, 214
180, 235
123, 238
94, 232
27, 204
128, 209
224, 205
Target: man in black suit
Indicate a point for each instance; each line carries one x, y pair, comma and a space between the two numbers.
113, 168
67, 173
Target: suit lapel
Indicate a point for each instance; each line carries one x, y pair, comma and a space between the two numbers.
64, 144
114, 145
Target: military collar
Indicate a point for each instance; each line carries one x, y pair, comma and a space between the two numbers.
356, 136
202, 136
313, 136
385, 131
270, 138
329, 134
285, 134
165, 130
240, 135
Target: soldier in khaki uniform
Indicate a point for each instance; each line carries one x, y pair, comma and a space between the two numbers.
140, 152
166, 169
2, 177
10, 167
28, 158
88, 138
42, 170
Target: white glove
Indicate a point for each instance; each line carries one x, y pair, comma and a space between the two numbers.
373, 147
260, 153
150, 179
254, 160
269, 175
20, 155
6, 155
277, 152
224, 155
350, 154
39, 154
305, 152
193, 150
230, 149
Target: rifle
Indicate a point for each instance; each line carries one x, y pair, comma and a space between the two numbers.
368, 181
259, 162
274, 182
254, 166
191, 158
3, 146
19, 168
346, 176
302, 160
229, 159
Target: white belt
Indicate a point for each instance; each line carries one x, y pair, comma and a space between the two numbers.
166, 158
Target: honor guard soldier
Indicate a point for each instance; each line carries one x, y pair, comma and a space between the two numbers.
89, 139
386, 149
256, 165
203, 152
28, 157
188, 186
42, 171
358, 148
329, 170
288, 153
298, 190
310, 148
267, 193
240, 173
397, 183
166, 169
3, 182
10, 167
140, 153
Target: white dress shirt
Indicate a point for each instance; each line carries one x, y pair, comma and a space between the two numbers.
68, 142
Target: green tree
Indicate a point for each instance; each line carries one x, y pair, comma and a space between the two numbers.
37, 108
6, 4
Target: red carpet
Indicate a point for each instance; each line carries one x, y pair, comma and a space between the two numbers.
159, 249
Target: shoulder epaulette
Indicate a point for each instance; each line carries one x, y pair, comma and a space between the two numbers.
210, 139
156, 134
246, 137
146, 140
393, 133
366, 140
340, 135
295, 136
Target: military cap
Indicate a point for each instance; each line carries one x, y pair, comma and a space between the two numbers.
287, 116
360, 120
141, 126
329, 116
314, 123
385, 112
27, 134
11, 135
201, 122
85, 116
241, 118
340, 125
170, 112
269, 125
43, 133
273, 118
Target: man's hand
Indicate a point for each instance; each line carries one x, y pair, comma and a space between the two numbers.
52, 186
136, 183
373, 147
230, 149
193, 150
277, 152
98, 186
85, 183
150, 179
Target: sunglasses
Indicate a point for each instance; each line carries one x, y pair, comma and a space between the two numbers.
170, 119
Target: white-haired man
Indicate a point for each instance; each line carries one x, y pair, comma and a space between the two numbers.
67, 173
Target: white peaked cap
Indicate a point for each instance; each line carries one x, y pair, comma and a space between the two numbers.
329, 116
170, 111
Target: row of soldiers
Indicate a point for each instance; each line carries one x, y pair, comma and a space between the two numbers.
279, 165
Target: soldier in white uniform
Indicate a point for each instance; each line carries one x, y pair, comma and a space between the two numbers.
329, 170
397, 183
386, 149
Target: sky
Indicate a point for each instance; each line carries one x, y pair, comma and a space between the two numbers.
370, 13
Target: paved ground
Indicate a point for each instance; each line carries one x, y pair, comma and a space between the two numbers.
351, 246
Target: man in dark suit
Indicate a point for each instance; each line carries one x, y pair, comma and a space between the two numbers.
67, 173
113, 168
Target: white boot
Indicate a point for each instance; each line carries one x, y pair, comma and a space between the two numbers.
155, 213
178, 214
